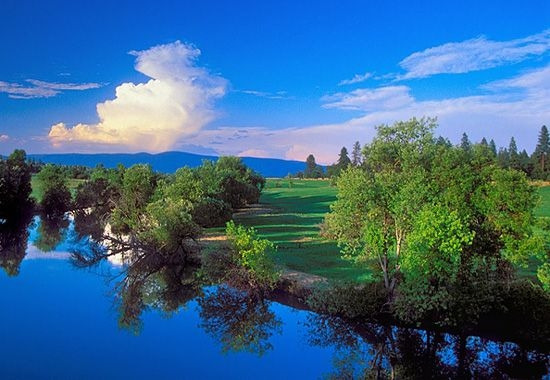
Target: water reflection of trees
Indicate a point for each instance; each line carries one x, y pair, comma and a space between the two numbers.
238, 319
380, 352
51, 232
14, 234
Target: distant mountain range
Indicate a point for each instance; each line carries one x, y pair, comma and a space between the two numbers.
168, 162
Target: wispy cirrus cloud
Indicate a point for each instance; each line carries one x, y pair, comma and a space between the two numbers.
366, 99
357, 78
175, 102
472, 55
267, 95
41, 89
517, 107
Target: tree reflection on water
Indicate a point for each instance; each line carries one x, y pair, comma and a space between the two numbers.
51, 232
364, 350
238, 319
14, 236
242, 320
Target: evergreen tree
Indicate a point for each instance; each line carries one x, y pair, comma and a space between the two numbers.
343, 159
493, 147
484, 142
312, 169
513, 155
356, 154
442, 141
465, 143
525, 163
540, 156
503, 158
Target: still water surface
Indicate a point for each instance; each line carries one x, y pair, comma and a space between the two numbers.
58, 321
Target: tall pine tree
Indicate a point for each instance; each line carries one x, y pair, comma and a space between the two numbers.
356, 154
513, 154
343, 159
493, 147
465, 143
541, 166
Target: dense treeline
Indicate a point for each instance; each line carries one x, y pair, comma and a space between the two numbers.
136, 209
535, 166
153, 212
443, 227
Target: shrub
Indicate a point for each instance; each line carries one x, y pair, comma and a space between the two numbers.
251, 253
211, 212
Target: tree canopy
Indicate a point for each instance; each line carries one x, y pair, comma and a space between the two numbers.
432, 214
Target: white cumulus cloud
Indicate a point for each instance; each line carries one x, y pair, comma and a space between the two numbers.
4, 138
156, 115
472, 55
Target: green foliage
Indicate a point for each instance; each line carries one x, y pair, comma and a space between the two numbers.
56, 199
543, 274
211, 212
169, 227
138, 186
436, 243
15, 185
97, 192
291, 218
428, 213
312, 170
356, 158
251, 252
541, 155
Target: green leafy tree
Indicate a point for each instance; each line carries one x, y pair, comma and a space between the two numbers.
56, 198
252, 254
138, 186
373, 212
15, 185
422, 210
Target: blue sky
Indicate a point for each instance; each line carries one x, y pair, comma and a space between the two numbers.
274, 79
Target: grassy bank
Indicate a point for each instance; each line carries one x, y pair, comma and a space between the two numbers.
37, 192
289, 216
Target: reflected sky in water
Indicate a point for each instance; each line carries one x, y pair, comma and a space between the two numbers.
59, 321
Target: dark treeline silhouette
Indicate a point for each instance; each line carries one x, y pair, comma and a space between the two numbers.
535, 165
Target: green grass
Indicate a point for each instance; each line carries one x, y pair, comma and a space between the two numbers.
37, 192
291, 217
543, 207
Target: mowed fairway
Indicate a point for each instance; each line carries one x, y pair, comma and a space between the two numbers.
289, 216
543, 207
